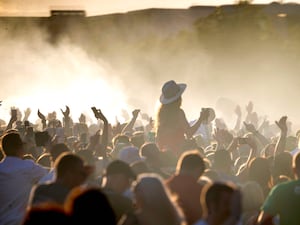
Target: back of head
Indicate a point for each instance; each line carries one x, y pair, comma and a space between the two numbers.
150, 151
41, 138
283, 164
212, 195
138, 139
57, 149
121, 138
11, 143
190, 161
152, 194
150, 186
222, 159
129, 154
66, 163
139, 167
46, 214
84, 206
259, 170
119, 167
44, 160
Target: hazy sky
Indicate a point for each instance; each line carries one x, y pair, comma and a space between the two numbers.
65, 74
92, 7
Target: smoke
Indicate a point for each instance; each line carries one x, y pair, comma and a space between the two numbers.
118, 68
39, 75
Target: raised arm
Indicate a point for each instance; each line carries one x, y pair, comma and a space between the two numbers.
130, 124
43, 119
261, 138
238, 113
67, 121
191, 130
280, 145
13, 118
104, 137
27, 113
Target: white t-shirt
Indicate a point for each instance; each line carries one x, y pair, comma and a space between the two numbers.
17, 176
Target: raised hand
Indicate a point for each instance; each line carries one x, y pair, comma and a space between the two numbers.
66, 113
282, 124
82, 118
222, 136
238, 111
204, 114
14, 116
145, 116
41, 116
250, 127
249, 107
251, 142
98, 114
135, 112
27, 113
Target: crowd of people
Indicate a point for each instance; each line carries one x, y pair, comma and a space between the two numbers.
169, 171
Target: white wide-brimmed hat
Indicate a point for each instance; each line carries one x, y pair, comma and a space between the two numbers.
171, 91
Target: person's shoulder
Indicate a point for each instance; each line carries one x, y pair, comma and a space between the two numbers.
181, 111
201, 222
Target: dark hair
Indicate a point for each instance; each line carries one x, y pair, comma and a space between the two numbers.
121, 138
11, 143
86, 205
222, 158
119, 167
214, 191
190, 160
57, 149
149, 150
41, 138
46, 214
65, 163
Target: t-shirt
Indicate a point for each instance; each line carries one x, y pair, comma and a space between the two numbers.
17, 176
50, 192
284, 200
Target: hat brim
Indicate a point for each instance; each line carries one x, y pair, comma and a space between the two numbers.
165, 101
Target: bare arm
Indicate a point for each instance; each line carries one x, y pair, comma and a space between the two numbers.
280, 145
261, 138
104, 139
238, 112
13, 118
190, 130
129, 126
43, 118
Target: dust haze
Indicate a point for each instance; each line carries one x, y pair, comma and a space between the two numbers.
116, 72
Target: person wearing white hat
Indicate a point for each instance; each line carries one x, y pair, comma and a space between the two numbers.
172, 127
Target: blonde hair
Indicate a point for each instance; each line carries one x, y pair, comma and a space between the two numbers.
157, 199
